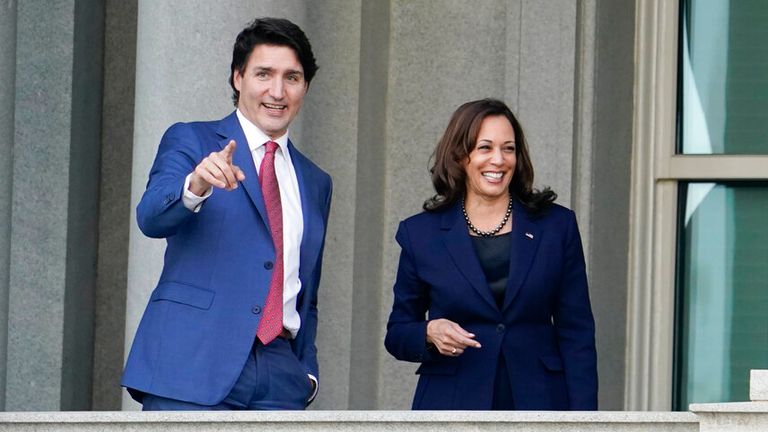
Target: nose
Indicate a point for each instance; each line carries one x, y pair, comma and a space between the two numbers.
496, 157
277, 89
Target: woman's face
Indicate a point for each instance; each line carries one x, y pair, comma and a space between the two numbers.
491, 164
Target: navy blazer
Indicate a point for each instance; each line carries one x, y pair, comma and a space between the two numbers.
201, 320
545, 326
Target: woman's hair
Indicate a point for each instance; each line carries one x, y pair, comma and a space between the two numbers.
458, 141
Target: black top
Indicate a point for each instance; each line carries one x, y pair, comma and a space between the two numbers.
493, 254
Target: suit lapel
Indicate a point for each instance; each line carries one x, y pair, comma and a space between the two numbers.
526, 237
460, 248
229, 129
309, 208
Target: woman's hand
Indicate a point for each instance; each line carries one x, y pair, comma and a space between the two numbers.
449, 338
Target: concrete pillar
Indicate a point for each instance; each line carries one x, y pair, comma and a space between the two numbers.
8, 72
55, 191
330, 137
115, 212
609, 207
369, 213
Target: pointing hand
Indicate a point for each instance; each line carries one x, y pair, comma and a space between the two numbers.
216, 170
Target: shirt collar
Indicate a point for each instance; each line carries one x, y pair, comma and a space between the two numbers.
256, 138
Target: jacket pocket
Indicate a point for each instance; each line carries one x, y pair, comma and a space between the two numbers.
437, 368
552, 363
183, 293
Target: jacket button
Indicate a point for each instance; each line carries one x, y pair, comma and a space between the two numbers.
500, 328
256, 309
268, 265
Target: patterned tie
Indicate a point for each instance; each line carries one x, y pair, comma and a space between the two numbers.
272, 321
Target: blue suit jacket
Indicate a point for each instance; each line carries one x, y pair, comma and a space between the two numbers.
545, 326
200, 323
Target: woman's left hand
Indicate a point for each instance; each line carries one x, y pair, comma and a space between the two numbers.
449, 338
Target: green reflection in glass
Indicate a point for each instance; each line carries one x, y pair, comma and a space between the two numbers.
724, 77
722, 326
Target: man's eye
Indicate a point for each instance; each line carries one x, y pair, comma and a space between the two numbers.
262, 75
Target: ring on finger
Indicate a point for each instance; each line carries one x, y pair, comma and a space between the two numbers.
453, 351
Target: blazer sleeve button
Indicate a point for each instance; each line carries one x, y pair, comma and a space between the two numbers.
268, 265
256, 309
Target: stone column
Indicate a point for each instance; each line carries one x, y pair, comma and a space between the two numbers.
607, 211
8, 72
115, 212
330, 137
54, 196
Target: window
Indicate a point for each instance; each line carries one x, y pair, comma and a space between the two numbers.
699, 203
722, 297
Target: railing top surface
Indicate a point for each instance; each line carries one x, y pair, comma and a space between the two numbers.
349, 417
730, 407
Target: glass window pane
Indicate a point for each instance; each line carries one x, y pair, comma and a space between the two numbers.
722, 293
723, 65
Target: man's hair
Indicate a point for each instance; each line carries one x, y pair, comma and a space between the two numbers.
271, 31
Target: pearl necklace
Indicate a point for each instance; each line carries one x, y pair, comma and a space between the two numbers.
493, 231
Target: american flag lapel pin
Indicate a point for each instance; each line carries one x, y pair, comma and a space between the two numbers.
529, 235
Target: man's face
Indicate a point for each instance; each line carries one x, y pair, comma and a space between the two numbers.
272, 88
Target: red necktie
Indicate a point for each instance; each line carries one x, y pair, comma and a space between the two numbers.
271, 324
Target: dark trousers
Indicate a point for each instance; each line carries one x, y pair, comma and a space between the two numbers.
272, 379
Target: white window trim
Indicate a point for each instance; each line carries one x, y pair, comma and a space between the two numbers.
650, 300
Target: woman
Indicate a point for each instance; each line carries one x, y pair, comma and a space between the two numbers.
498, 268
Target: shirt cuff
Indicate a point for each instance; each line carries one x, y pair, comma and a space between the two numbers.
191, 201
316, 388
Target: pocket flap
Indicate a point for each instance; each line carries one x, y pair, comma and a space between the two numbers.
437, 368
552, 363
183, 293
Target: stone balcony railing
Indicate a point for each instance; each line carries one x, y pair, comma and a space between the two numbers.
726, 417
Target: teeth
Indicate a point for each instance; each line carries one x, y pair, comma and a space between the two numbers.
270, 106
493, 175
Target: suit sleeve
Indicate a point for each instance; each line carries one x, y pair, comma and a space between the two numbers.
575, 325
161, 210
406, 337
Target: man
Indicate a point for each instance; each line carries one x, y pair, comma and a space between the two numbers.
232, 321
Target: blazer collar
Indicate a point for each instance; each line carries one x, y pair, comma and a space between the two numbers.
230, 129
460, 248
525, 238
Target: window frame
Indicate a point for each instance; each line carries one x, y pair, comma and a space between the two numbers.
656, 173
